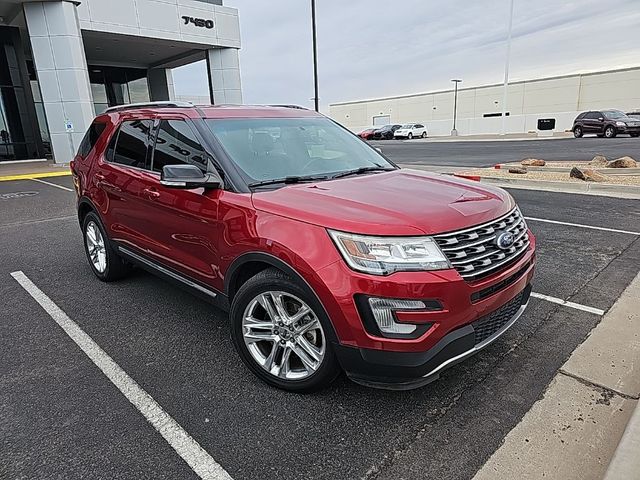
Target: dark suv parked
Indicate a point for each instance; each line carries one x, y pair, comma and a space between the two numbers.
605, 123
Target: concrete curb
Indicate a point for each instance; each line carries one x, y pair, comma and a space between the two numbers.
601, 189
586, 188
551, 168
626, 460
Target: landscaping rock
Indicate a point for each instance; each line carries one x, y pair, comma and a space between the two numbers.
599, 161
623, 162
518, 170
587, 175
533, 162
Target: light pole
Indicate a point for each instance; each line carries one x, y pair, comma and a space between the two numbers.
456, 81
503, 131
315, 55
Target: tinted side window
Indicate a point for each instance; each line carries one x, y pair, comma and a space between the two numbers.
593, 115
419, 126
581, 116
90, 138
176, 144
131, 145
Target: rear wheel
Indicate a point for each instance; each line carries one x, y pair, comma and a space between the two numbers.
410, 136
105, 262
577, 131
282, 334
610, 131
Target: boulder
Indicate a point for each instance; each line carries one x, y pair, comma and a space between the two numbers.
623, 162
598, 161
518, 170
587, 175
533, 162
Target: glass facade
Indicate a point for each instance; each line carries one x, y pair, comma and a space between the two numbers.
112, 86
17, 133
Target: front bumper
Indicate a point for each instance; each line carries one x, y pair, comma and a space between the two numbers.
408, 370
628, 129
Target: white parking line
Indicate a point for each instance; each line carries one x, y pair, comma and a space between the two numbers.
191, 452
565, 303
52, 184
581, 225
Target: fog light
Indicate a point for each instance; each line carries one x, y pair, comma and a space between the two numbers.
383, 313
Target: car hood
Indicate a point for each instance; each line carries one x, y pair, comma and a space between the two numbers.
402, 202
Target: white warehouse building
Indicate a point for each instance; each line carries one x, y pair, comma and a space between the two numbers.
479, 108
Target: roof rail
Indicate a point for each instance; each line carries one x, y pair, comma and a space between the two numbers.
297, 107
163, 103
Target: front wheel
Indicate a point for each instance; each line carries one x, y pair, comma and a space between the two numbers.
577, 132
610, 132
410, 136
281, 333
424, 134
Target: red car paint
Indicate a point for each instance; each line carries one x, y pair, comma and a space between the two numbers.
201, 233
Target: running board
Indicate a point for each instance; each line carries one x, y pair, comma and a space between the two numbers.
165, 272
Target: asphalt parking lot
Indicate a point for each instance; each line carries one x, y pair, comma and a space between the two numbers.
468, 153
60, 417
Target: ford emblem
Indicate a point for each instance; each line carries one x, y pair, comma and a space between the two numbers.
505, 240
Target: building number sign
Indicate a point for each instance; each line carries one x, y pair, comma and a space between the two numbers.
198, 22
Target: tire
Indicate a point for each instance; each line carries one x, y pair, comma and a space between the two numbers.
266, 358
610, 131
410, 136
577, 131
424, 134
103, 259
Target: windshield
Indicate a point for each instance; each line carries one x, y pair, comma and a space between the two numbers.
613, 114
273, 148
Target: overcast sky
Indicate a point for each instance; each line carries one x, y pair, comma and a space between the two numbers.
374, 48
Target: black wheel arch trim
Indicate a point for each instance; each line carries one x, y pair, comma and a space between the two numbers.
270, 259
83, 200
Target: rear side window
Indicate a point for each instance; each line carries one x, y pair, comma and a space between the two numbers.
131, 147
593, 115
177, 144
91, 138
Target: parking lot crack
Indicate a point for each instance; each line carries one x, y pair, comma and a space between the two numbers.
607, 392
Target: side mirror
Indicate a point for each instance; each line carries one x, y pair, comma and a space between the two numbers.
188, 176
600, 119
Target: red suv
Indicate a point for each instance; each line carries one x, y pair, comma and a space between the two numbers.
326, 254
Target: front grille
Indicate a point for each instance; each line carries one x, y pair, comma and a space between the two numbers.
490, 324
473, 252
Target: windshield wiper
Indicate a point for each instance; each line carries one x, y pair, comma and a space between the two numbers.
288, 180
361, 170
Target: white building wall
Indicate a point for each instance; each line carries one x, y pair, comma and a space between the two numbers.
61, 67
162, 19
561, 98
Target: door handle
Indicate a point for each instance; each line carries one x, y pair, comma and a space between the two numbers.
151, 193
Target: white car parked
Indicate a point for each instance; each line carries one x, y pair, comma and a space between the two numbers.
411, 130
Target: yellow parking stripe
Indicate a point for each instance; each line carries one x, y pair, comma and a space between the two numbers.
31, 176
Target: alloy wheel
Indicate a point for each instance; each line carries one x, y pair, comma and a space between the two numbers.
96, 247
283, 335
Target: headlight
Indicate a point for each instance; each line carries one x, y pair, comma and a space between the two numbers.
621, 124
385, 255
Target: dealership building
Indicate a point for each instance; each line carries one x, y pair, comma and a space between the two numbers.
62, 62
479, 108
